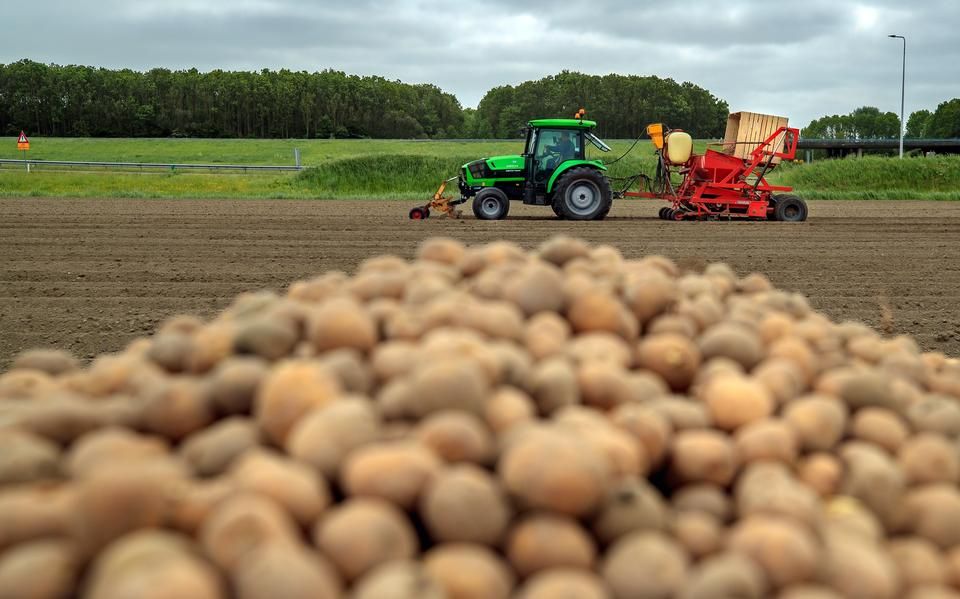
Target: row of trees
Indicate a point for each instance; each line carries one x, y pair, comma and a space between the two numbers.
86, 101
868, 122
622, 105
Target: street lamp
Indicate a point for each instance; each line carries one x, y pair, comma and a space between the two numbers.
903, 83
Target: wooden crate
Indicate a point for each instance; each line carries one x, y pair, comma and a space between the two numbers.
746, 130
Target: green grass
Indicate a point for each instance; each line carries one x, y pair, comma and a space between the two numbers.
399, 169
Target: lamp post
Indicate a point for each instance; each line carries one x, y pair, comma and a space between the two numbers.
903, 83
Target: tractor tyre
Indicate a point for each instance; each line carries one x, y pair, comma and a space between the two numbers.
491, 204
557, 209
789, 208
663, 213
583, 193
419, 213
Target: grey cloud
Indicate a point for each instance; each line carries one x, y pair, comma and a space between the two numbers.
801, 59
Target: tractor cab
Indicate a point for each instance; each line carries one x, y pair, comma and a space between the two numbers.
550, 143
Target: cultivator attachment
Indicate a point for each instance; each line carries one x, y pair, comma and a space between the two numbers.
440, 203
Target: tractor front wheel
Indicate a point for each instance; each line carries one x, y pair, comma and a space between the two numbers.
583, 193
789, 208
491, 204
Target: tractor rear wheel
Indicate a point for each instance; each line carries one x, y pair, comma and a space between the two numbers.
491, 204
557, 208
789, 208
583, 193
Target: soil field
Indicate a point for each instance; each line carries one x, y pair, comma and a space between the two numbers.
90, 275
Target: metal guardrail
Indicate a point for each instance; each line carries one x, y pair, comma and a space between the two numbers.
150, 165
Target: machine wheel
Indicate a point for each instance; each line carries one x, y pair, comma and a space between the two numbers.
557, 209
583, 193
789, 208
491, 204
663, 212
419, 213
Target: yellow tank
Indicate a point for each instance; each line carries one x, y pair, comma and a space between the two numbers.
679, 147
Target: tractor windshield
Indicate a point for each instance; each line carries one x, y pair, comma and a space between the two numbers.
597, 142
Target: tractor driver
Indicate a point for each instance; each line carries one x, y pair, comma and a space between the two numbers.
564, 147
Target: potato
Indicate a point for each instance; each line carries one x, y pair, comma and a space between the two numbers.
456, 437
561, 249
808, 591
682, 413
193, 502
543, 541
177, 408
630, 505
29, 512
554, 385
818, 421
449, 385
918, 561
234, 384
704, 497
25, 457
929, 458
672, 356
285, 571
209, 346
703, 456
396, 471
465, 504
821, 472
555, 471
649, 293
699, 533
507, 408
786, 551
466, 571
398, 580
294, 486
647, 426
171, 351
734, 401
243, 523
210, 451
781, 378
736, 342
766, 440
360, 534
291, 390
141, 566
797, 352
725, 575
326, 435
441, 249
563, 583
107, 447
872, 477
865, 389
596, 311
341, 323
645, 564
50, 361
599, 347
545, 335
769, 488
856, 568
46, 569
673, 324
536, 288
935, 414
270, 338
932, 512
880, 426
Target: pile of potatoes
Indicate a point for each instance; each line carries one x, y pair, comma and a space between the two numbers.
488, 423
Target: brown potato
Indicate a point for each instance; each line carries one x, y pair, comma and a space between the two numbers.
703, 456
466, 571
857, 568
293, 485
935, 414
735, 401
449, 385
285, 571
50, 361
326, 435
46, 569
268, 337
596, 311
672, 356
880, 426
781, 378
871, 476
399, 579
106, 447
818, 421
465, 504
766, 440
728, 574
699, 533
808, 591
209, 346
177, 408
241, 524
869, 388
681, 413
171, 350
645, 564
25, 457
210, 451
769, 488
545, 335
704, 497
507, 408
291, 390
918, 561
234, 384
554, 385
543, 541
396, 471
561, 249
786, 551
456, 436
341, 323
929, 458
736, 342
536, 288
673, 324
630, 505
647, 426
649, 293
932, 512
30, 512
361, 534
556, 471
821, 472
563, 583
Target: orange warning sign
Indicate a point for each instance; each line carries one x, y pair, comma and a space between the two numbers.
23, 143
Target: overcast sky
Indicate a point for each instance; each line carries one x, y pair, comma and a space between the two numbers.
798, 59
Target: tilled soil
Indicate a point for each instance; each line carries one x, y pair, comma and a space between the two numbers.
91, 275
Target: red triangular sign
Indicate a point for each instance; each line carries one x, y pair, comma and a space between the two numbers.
23, 138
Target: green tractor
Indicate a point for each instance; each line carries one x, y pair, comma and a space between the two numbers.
552, 171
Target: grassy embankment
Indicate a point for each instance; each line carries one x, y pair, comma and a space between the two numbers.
398, 169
